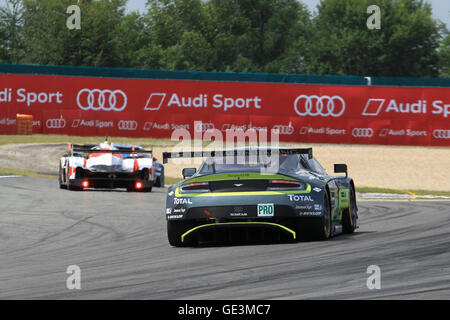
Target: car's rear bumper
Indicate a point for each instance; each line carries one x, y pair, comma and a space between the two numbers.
240, 231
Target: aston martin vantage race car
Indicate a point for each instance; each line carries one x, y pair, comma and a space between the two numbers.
109, 166
259, 194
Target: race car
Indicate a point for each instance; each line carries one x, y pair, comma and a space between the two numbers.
109, 166
258, 194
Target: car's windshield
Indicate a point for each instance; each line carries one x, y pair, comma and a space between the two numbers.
280, 163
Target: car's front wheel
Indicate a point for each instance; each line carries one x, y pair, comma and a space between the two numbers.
350, 215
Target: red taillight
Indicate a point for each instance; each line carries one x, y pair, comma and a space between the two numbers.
284, 182
85, 184
196, 186
138, 185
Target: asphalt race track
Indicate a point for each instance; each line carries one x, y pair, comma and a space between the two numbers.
119, 241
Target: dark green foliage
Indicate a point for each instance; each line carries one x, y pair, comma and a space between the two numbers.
273, 36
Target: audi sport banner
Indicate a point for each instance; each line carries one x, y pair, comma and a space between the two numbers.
154, 108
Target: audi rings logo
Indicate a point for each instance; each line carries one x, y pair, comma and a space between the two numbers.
106, 100
319, 106
441, 134
127, 125
58, 123
283, 129
203, 127
362, 132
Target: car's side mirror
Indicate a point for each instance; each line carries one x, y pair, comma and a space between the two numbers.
340, 168
188, 172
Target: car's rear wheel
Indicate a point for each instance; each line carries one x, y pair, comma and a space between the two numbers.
350, 216
62, 177
175, 229
316, 228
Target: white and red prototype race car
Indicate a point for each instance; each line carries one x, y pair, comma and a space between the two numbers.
109, 166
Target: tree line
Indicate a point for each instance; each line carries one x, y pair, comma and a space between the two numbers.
271, 36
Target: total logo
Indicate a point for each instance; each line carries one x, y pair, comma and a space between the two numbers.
102, 99
157, 100
375, 106
362, 132
182, 201
324, 106
298, 197
57, 123
130, 125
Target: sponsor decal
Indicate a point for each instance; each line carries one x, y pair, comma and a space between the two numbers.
326, 131
7, 122
91, 123
375, 106
58, 123
155, 101
30, 97
323, 106
266, 210
317, 207
130, 125
170, 193
203, 126
283, 129
316, 189
105, 100
305, 207
310, 213
362, 132
402, 132
300, 197
219, 101
169, 211
177, 216
441, 134
238, 214
182, 201
179, 210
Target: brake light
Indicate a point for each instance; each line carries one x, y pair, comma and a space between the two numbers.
85, 184
138, 185
286, 184
196, 187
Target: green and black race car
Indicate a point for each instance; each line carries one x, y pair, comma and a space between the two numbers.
258, 194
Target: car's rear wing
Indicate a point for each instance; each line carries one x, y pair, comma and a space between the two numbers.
235, 152
87, 148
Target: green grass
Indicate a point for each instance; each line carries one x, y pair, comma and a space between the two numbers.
402, 191
26, 173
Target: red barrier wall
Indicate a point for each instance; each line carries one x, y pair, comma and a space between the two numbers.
153, 108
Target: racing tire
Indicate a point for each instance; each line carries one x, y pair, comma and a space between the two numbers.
350, 215
175, 229
61, 178
313, 229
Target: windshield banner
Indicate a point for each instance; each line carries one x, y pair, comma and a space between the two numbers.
89, 106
